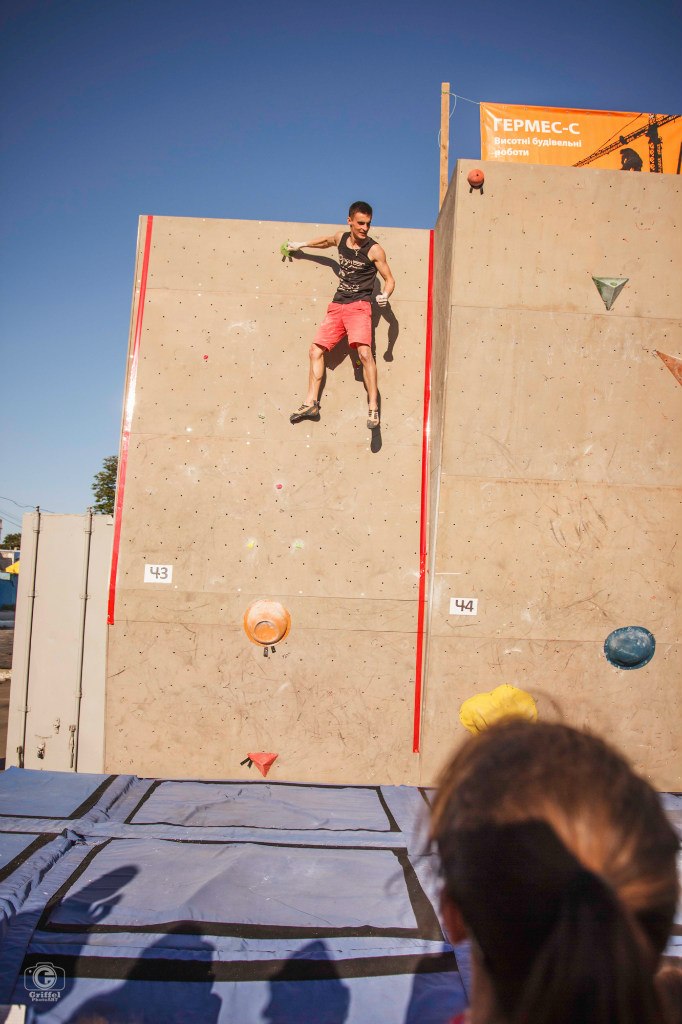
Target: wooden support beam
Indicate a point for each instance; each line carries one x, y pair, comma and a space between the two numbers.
444, 139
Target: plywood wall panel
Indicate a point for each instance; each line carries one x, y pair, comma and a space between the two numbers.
557, 560
562, 396
227, 609
441, 333
196, 699
558, 496
321, 516
218, 371
243, 258
537, 235
571, 681
314, 520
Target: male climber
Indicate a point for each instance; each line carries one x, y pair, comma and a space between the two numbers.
350, 311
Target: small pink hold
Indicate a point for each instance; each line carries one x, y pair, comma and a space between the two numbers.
278, 486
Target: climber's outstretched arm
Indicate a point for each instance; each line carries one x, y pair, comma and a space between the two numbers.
325, 242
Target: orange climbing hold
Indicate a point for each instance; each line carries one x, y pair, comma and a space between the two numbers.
673, 363
266, 622
263, 762
476, 178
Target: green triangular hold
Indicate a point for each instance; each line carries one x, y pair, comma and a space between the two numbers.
610, 288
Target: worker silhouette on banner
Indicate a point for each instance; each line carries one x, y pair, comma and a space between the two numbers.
350, 311
630, 160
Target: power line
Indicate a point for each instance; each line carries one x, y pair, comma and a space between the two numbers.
456, 96
8, 527
9, 518
3, 497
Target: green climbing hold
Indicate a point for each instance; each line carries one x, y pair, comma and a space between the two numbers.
610, 288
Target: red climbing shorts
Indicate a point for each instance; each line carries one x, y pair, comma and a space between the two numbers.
346, 318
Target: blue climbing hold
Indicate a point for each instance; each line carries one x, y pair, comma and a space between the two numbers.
629, 647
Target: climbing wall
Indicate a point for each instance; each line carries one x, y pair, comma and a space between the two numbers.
224, 503
554, 474
556, 457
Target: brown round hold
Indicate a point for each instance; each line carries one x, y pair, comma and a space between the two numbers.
266, 622
476, 177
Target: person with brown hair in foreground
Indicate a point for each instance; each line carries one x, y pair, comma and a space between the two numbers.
558, 863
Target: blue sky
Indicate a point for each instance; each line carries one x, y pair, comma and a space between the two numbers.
271, 111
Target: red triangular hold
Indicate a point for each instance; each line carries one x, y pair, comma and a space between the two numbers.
263, 762
673, 364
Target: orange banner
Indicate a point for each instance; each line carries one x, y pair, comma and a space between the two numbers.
610, 139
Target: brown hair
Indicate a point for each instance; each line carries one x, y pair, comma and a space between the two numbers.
562, 864
359, 207
669, 986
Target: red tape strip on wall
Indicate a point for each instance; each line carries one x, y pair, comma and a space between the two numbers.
423, 527
127, 422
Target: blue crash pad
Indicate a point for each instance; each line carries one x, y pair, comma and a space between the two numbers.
155, 900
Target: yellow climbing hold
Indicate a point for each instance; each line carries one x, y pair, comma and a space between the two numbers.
481, 710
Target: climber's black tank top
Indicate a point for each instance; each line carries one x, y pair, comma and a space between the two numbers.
357, 274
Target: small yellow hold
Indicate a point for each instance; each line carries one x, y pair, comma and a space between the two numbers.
250, 544
483, 709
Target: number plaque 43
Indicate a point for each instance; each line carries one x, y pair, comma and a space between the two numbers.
158, 573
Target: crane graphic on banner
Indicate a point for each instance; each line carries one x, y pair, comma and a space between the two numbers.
630, 159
